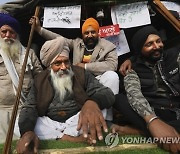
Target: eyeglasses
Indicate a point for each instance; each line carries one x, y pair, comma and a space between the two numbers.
60, 62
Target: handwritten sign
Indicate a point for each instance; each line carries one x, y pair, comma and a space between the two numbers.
62, 17
131, 15
121, 43
5, 1
109, 30
172, 6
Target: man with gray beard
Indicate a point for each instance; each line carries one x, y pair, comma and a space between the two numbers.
11, 60
62, 84
90, 52
67, 102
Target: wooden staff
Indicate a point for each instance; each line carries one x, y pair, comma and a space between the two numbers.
7, 145
167, 14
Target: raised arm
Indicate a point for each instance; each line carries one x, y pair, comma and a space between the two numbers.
47, 34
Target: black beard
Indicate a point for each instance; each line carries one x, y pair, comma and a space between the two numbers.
150, 58
90, 42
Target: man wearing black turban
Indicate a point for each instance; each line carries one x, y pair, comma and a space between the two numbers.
152, 99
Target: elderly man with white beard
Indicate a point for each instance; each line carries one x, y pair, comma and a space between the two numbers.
66, 103
11, 60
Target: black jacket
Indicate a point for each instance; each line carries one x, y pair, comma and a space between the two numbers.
169, 73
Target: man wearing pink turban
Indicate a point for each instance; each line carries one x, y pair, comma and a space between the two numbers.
92, 53
66, 102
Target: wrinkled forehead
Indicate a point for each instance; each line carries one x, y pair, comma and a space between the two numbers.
7, 27
60, 58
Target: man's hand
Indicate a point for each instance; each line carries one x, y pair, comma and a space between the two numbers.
159, 129
81, 65
37, 23
91, 119
125, 66
28, 143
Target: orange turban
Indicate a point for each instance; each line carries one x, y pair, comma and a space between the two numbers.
90, 22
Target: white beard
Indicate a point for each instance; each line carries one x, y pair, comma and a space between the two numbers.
10, 47
62, 84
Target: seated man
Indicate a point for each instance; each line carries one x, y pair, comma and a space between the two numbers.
65, 103
153, 89
92, 53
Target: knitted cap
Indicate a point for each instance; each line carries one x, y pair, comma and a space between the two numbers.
6, 19
141, 36
90, 22
52, 49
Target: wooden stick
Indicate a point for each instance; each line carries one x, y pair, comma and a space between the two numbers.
167, 14
7, 145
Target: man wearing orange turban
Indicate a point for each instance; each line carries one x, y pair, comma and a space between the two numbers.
92, 53
90, 22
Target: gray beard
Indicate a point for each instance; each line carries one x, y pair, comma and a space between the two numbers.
63, 85
9, 48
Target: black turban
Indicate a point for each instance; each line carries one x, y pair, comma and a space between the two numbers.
141, 36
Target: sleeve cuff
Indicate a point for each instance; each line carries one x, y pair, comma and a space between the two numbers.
85, 66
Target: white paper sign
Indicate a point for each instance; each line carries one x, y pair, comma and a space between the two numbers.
62, 17
121, 43
131, 15
6, 1
172, 6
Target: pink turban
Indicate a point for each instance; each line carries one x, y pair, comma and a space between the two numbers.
52, 49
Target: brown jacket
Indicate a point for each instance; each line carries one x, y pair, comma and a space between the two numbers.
45, 92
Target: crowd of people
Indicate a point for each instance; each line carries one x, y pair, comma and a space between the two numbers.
73, 99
